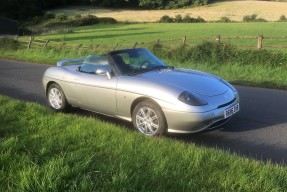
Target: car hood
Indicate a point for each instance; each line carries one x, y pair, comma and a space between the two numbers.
187, 80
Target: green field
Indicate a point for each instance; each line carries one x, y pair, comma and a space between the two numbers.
44, 151
130, 33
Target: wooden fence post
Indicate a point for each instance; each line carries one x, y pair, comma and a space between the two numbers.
30, 42
46, 43
259, 41
136, 43
78, 47
218, 38
115, 47
62, 45
184, 40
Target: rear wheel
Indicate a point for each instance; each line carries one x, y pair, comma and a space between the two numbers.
149, 119
56, 98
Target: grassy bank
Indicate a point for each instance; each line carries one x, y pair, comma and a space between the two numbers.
254, 74
44, 151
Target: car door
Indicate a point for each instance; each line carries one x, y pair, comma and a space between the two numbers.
96, 92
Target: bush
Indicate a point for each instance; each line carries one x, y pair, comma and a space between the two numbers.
87, 20
82, 21
282, 18
166, 19
179, 19
8, 43
61, 17
224, 20
107, 20
252, 18
221, 53
48, 15
199, 20
249, 18
188, 19
78, 16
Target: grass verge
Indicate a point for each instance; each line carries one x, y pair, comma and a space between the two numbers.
237, 73
44, 151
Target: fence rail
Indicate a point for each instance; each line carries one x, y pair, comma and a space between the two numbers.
189, 41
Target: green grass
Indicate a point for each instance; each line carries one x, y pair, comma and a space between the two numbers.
130, 33
44, 151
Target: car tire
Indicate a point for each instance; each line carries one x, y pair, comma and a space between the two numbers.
149, 119
56, 98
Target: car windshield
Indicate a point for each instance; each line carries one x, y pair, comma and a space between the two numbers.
134, 61
94, 62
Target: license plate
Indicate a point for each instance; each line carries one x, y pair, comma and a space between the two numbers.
230, 111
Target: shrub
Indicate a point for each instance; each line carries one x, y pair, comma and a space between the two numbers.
107, 20
187, 19
224, 20
252, 18
178, 19
166, 19
249, 18
78, 16
61, 17
221, 53
199, 20
282, 18
8, 43
87, 20
48, 15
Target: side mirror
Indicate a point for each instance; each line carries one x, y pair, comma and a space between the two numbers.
103, 71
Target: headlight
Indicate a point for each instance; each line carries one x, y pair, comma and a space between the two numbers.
191, 99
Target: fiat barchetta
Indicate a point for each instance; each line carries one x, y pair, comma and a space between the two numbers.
136, 86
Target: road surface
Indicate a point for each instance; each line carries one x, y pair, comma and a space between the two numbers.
259, 131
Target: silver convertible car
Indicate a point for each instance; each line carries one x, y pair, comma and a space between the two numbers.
136, 86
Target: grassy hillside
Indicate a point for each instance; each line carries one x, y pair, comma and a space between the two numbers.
235, 10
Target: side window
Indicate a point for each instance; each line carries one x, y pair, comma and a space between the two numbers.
94, 62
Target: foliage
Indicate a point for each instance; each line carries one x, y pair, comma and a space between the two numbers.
61, 22
166, 19
282, 18
170, 4
78, 16
180, 19
221, 53
252, 18
9, 43
61, 17
225, 20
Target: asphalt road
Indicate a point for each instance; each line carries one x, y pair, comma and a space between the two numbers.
259, 131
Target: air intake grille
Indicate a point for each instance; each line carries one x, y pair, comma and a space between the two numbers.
226, 104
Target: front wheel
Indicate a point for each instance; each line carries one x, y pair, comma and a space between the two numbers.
149, 119
56, 98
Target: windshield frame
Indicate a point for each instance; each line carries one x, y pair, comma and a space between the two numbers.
155, 63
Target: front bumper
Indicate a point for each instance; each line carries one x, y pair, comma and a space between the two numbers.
186, 122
